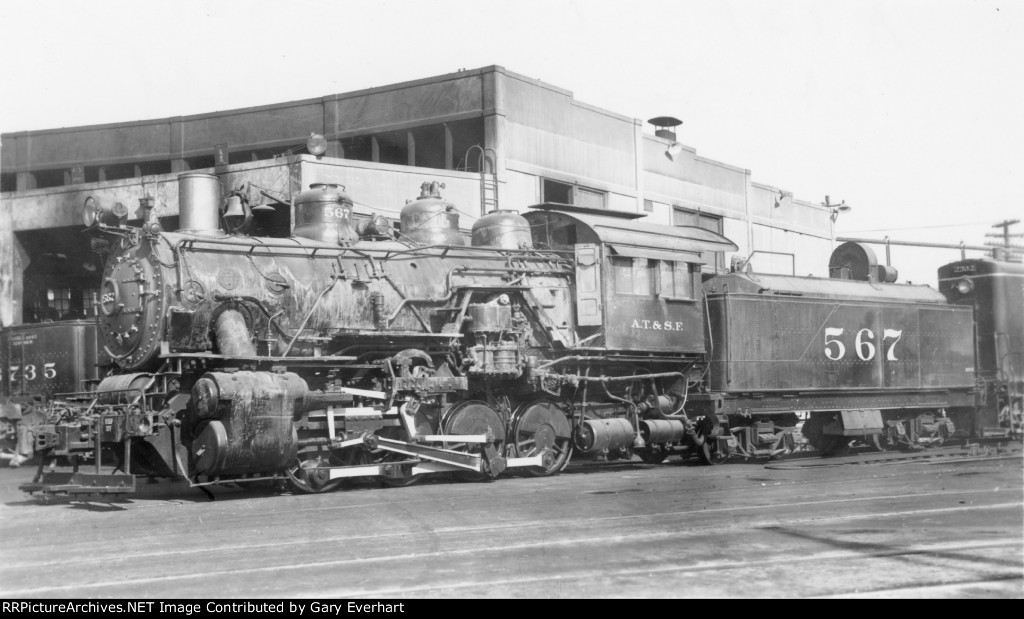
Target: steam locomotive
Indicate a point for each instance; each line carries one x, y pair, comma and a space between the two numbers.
348, 350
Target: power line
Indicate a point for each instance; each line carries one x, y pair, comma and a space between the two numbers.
975, 223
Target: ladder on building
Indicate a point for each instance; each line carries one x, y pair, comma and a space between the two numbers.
488, 192
488, 180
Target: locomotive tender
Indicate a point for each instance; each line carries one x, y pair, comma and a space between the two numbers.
39, 361
346, 351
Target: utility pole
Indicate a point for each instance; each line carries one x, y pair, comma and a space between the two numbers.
1005, 235
834, 210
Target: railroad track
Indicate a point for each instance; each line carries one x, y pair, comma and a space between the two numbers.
973, 452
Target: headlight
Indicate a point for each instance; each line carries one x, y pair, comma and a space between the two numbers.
91, 212
316, 144
964, 286
94, 213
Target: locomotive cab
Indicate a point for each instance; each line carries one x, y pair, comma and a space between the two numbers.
637, 285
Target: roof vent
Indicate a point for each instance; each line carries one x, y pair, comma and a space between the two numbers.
665, 127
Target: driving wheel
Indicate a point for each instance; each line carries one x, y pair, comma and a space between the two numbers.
541, 428
474, 417
305, 476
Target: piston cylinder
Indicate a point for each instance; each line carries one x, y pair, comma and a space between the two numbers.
244, 422
599, 434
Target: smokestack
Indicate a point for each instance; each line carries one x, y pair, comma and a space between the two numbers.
199, 203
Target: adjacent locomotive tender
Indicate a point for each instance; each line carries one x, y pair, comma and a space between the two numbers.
39, 361
348, 351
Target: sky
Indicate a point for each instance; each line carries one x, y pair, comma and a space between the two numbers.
910, 111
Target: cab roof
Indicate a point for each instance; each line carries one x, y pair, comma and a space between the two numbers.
560, 230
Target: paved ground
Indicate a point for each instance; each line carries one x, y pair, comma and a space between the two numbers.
914, 529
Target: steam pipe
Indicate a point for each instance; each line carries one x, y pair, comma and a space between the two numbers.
233, 336
309, 314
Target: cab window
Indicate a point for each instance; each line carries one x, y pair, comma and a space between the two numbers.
647, 277
634, 276
675, 280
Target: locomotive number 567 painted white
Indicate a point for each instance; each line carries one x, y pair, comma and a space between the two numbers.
863, 344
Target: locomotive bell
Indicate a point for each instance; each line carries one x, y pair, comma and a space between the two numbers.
236, 215
324, 213
430, 220
503, 229
234, 207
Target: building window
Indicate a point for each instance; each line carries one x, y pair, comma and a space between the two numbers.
428, 144
393, 147
119, 171
564, 193
49, 178
59, 301
198, 163
93, 174
8, 181
553, 191
590, 198
358, 148
648, 206
88, 299
260, 154
149, 168
713, 260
